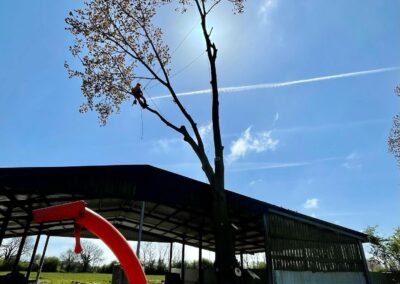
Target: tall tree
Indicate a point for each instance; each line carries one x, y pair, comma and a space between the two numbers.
394, 136
91, 255
9, 248
118, 43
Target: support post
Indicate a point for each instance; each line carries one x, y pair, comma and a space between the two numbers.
241, 260
140, 230
42, 258
200, 258
28, 272
7, 217
267, 243
367, 276
21, 245
170, 257
183, 262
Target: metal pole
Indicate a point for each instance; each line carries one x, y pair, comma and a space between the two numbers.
21, 245
183, 262
33, 254
140, 230
200, 258
42, 259
267, 243
7, 217
368, 279
241, 259
170, 257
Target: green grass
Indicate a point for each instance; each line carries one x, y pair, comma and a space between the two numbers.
87, 278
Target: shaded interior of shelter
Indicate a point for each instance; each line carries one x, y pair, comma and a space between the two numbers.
177, 209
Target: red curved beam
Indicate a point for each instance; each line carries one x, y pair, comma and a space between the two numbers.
101, 228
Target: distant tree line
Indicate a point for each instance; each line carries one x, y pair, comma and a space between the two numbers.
153, 256
87, 261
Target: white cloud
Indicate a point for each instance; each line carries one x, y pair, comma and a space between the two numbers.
265, 9
205, 130
166, 145
247, 143
311, 203
352, 161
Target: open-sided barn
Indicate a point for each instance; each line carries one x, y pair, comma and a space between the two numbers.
150, 204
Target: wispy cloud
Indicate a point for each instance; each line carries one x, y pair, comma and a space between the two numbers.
311, 203
236, 89
265, 9
332, 126
165, 144
248, 143
254, 182
276, 118
205, 130
241, 167
341, 214
352, 161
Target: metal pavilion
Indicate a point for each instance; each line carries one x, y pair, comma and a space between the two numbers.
150, 204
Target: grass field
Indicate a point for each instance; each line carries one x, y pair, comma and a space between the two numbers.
87, 278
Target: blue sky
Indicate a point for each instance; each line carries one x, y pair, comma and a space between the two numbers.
318, 147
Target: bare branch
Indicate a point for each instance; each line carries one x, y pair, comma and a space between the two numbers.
212, 6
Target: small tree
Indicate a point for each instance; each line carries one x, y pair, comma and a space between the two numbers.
50, 264
385, 251
118, 43
91, 255
69, 260
394, 136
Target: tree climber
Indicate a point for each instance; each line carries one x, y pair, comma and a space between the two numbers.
138, 94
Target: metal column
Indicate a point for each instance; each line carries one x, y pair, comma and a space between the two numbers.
7, 217
368, 279
267, 243
183, 262
33, 254
21, 245
201, 258
170, 257
140, 230
42, 259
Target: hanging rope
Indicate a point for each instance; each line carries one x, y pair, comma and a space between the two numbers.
141, 117
182, 69
188, 65
173, 52
175, 74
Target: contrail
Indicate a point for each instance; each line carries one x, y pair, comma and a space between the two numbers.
241, 167
284, 84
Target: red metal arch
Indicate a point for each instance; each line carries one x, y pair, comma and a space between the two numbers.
101, 228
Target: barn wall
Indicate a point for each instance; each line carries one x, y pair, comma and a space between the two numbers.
297, 246
308, 277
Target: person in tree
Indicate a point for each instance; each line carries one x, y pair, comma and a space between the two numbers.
138, 95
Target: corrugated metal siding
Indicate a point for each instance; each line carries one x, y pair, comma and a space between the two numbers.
296, 246
307, 277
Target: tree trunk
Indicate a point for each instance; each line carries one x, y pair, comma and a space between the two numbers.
225, 261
